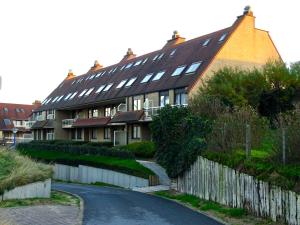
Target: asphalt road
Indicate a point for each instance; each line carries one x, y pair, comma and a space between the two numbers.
114, 206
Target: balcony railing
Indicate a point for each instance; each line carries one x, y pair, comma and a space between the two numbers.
50, 117
40, 117
29, 124
153, 111
67, 123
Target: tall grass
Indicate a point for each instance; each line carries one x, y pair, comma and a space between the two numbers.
17, 170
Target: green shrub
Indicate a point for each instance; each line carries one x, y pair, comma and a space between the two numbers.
77, 149
100, 144
179, 138
144, 149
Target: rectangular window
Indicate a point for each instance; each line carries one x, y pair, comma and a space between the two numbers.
158, 75
94, 133
163, 98
137, 103
79, 133
89, 92
108, 87
73, 134
147, 78
145, 60
73, 95
222, 38
181, 97
100, 89
138, 62
193, 67
130, 82
178, 70
107, 111
82, 93
206, 42
136, 132
172, 53
128, 66
107, 133
93, 113
121, 84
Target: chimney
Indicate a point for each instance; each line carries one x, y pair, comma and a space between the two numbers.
176, 39
37, 103
129, 55
248, 18
96, 66
70, 75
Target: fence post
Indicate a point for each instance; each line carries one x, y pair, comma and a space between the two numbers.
283, 134
223, 137
248, 140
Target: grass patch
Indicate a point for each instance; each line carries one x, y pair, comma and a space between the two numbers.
259, 165
128, 166
17, 170
203, 205
57, 198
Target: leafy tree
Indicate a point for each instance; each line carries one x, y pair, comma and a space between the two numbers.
179, 138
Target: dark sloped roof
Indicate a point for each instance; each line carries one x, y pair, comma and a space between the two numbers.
186, 53
91, 122
43, 124
130, 116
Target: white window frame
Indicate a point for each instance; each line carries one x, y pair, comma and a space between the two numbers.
159, 75
147, 78
100, 88
121, 84
193, 67
131, 81
108, 87
178, 70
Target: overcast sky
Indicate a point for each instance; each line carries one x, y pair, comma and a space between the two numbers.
41, 40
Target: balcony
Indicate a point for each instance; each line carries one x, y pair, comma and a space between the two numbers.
68, 123
40, 117
153, 111
29, 124
50, 117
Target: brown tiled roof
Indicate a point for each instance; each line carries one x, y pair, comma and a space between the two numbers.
15, 112
186, 53
130, 116
43, 124
91, 122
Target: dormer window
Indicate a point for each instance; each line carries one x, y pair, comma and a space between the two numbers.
193, 67
206, 42
222, 38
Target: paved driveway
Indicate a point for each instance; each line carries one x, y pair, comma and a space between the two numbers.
113, 206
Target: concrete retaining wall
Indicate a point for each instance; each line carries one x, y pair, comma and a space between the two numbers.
88, 175
35, 190
212, 181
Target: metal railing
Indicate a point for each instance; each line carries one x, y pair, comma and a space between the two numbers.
40, 117
50, 117
67, 123
153, 111
29, 124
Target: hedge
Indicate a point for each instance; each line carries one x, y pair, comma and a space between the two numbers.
76, 149
143, 149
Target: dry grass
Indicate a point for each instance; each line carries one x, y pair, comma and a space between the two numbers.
17, 170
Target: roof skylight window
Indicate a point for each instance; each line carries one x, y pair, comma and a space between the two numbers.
98, 75
147, 78
91, 77
145, 60
55, 99
68, 96
193, 67
73, 95
115, 69
121, 84
155, 57
87, 78
222, 38
60, 98
103, 72
130, 82
17, 110
100, 88
138, 62
110, 70
160, 56
44, 101
158, 75
178, 70
48, 101
108, 87
128, 66
206, 42
89, 92
82, 93
122, 67
73, 82
173, 53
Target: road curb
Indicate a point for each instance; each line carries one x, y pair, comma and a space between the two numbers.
81, 205
190, 207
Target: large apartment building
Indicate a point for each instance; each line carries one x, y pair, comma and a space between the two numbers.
16, 117
116, 103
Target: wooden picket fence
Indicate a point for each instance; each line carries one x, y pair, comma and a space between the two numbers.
212, 181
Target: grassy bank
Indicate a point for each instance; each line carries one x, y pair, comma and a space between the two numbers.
17, 170
234, 216
57, 198
261, 165
128, 166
